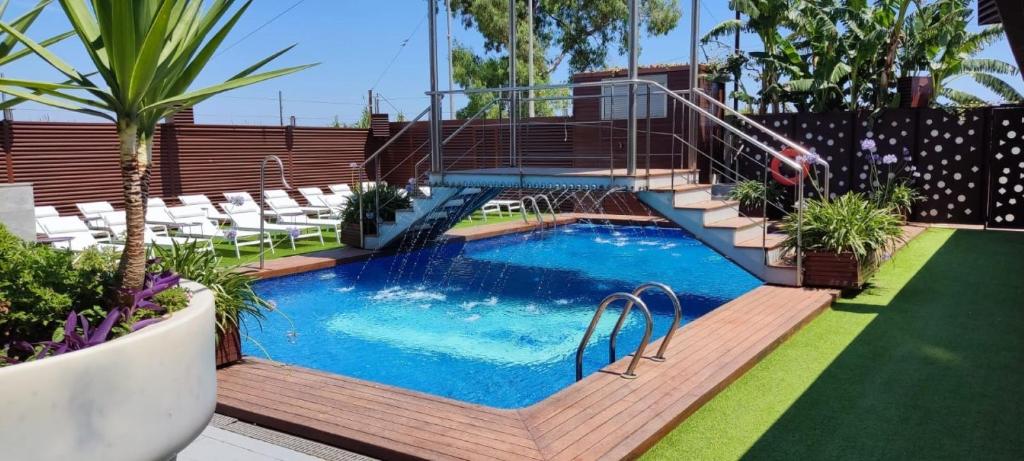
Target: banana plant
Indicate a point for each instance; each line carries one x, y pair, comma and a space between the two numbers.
147, 55
9, 42
939, 43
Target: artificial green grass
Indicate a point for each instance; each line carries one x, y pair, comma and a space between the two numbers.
928, 363
478, 219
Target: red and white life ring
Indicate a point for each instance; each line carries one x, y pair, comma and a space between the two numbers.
776, 167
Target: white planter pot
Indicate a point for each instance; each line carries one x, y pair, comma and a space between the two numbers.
144, 396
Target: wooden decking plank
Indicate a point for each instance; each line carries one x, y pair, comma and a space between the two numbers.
351, 418
506, 422
364, 442
490, 413
602, 417
699, 355
689, 335
359, 405
685, 396
652, 389
684, 338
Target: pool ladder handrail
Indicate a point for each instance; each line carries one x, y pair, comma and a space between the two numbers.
536, 210
551, 208
648, 326
677, 316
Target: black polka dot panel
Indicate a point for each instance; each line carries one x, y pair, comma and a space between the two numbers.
950, 156
1006, 169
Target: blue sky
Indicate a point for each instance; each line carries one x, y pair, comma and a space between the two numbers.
355, 41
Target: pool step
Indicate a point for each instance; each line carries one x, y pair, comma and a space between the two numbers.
719, 225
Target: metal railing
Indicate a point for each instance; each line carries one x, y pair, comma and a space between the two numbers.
648, 326
677, 315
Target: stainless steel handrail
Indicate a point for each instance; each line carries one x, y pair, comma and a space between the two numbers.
677, 316
648, 326
263, 170
466, 123
536, 210
554, 217
778, 137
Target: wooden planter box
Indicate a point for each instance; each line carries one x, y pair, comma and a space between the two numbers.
831, 270
350, 235
229, 348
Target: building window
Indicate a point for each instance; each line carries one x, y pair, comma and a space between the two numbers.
615, 99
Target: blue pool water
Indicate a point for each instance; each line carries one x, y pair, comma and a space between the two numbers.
494, 321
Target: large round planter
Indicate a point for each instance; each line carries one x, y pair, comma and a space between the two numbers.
144, 396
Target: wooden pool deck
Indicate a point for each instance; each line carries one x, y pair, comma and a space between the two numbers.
602, 417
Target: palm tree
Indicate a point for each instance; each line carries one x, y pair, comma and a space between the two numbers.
147, 54
939, 43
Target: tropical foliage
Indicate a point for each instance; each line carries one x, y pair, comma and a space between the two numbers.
147, 55
54, 301
234, 297
387, 197
822, 55
850, 223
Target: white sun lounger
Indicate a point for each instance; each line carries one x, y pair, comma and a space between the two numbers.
242, 194
192, 221
334, 202
75, 229
203, 202
283, 194
288, 211
117, 223
247, 217
44, 212
91, 211
339, 189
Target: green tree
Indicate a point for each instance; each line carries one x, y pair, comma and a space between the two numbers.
938, 43
147, 54
573, 32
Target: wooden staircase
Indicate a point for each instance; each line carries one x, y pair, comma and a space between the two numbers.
718, 224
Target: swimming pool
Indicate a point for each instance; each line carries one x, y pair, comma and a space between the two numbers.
493, 321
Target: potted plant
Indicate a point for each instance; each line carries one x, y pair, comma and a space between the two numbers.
388, 198
752, 194
236, 301
89, 376
842, 239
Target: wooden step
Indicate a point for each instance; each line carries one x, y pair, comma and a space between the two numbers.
682, 187
772, 242
709, 205
736, 223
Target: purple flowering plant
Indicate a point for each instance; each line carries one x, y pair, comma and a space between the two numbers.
891, 177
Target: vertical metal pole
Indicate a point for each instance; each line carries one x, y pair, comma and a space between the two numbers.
513, 107
280, 107
694, 80
736, 50
451, 87
634, 20
529, 64
435, 98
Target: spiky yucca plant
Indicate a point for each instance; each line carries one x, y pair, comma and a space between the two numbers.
147, 55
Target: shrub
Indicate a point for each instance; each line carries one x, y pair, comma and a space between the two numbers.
850, 223
751, 194
234, 296
389, 199
41, 285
